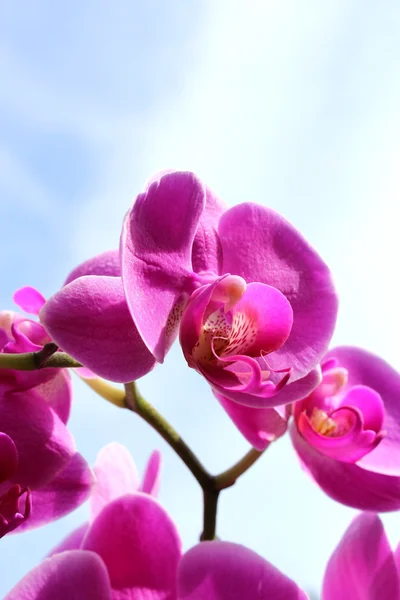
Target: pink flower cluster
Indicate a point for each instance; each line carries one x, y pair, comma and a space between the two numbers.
131, 549
254, 308
41, 474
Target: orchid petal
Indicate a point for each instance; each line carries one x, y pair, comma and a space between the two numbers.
116, 475
260, 426
71, 575
29, 299
363, 565
89, 319
207, 249
156, 247
63, 494
140, 547
151, 479
348, 483
57, 392
369, 370
276, 397
225, 571
261, 246
8, 457
43, 442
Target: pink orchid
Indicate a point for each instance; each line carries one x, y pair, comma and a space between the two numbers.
183, 254
41, 475
363, 564
131, 549
347, 432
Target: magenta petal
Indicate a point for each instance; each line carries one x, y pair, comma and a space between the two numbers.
74, 575
152, 473
272, 314
57, 392
116, 475
369, 370
363, 565
156, 247
106, 263
8, 457
63, 494
288, 393
207, 250
90, 320
225, 571
260, 245
72, 541
140, 547
348, 483
369, 403
29, 299
260, 426
43, 442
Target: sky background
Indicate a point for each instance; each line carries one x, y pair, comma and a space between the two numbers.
291, 104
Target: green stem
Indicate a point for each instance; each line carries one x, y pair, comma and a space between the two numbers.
210, 505
136, 403
228, 478
31, 361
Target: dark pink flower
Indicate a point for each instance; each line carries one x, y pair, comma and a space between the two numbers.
41, 475
347, 432
131, 549
363, 564
177, 239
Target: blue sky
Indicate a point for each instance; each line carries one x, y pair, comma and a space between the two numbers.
292, 104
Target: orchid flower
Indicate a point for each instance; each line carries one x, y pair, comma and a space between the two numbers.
131, 549
254, 302
363, 564
347, 432
42, 477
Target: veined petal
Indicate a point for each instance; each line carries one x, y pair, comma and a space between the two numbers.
156, 249
140, 547
116, 475
348, 483
225, 571
75, 574
206, 251
89, 319
260, 245
363, 565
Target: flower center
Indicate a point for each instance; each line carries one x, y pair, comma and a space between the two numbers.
323, 423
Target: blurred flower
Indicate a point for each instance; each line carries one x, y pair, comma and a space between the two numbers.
131, 549
363, 565
41, 475
347, 432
